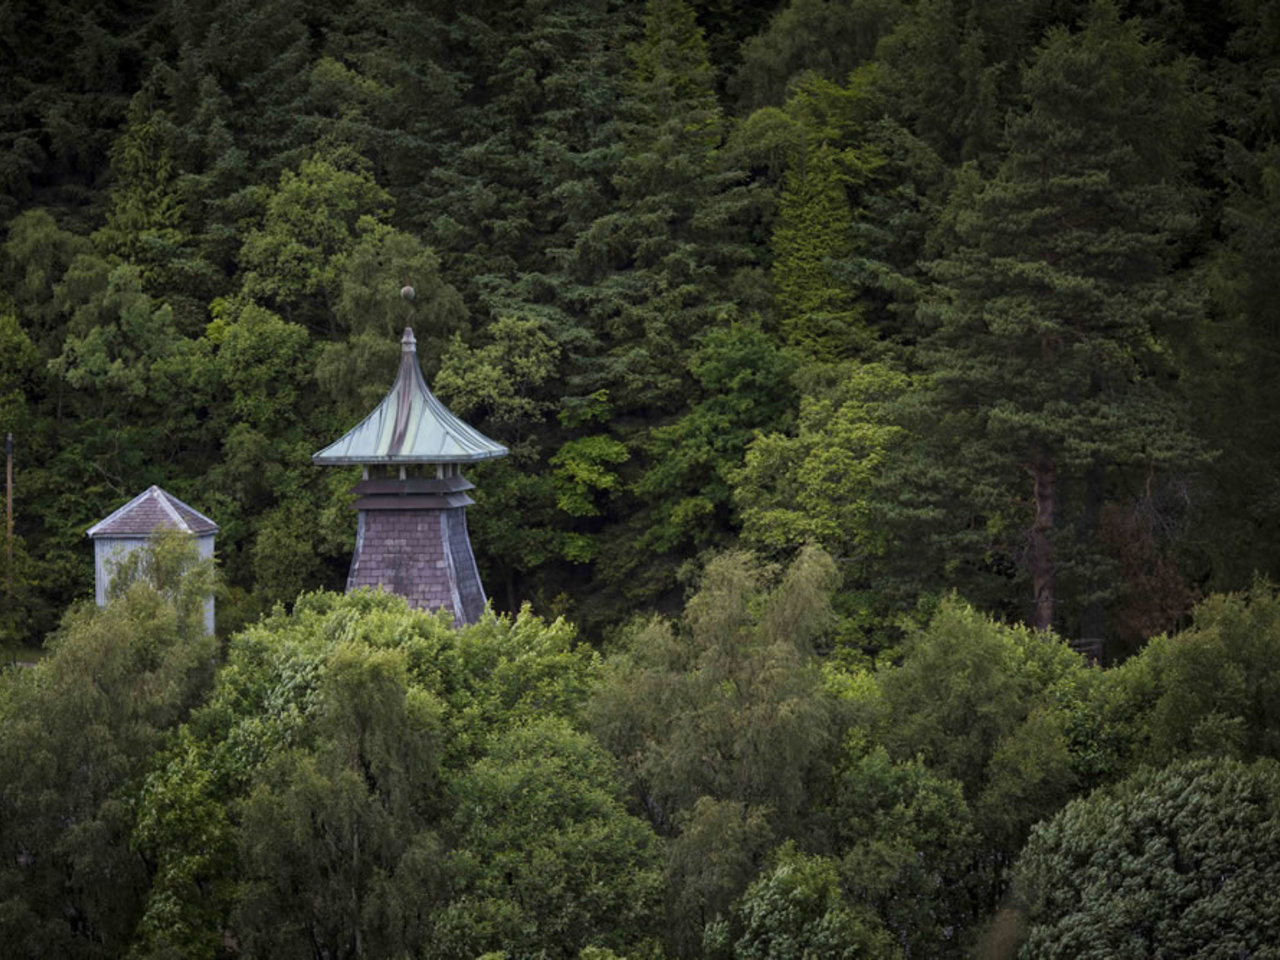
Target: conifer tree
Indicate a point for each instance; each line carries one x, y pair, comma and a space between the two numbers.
829, 37
657, 260
1229, 356
1043, 355
815, 226
144, 223
831, 154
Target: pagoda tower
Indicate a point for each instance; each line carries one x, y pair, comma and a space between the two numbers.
411, 537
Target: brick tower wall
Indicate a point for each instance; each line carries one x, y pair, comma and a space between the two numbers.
423, 555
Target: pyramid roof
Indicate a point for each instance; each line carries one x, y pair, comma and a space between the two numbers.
153, 509
410, 426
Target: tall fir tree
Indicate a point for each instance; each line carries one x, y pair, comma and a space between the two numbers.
660, 273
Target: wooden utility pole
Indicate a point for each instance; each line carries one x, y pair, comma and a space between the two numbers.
8, 511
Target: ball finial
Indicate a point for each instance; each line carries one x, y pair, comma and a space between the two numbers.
407, 293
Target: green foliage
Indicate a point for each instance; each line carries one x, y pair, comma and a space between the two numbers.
584, 469
968, 686
333, 842
339, 788
37, 255
1001, 712
1181, 860
1207, 691
121, 349
630, 181
309, 220
909, 845
825, 36
68, 74
959, 292
359, 362
715, 856
740, 663
815, 225
796, 909
144, 225
504, 381
1045, 367
820, 484
19, 365
1225, 360
81, 728
548, 859
651, 269
745, 388
830, 481
953, 67
723, 727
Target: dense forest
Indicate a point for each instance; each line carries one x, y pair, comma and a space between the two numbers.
853, 356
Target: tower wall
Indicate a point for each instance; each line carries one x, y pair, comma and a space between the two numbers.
110, 552
424, 555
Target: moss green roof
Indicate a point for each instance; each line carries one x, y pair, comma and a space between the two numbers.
410, 426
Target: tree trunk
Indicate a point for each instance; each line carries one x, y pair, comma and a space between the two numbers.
1040, 561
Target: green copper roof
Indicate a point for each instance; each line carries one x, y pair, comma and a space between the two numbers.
410, 426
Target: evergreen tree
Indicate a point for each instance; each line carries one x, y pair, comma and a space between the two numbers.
1229, 356
829, 37
830, 159
815, 226
652, 272
652, 277
67, 72
146, 212
1042, 350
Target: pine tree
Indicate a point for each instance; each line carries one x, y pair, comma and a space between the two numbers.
828, 37
1043, 358
815, 226
952, 68
831, 156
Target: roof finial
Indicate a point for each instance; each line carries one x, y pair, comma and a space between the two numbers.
407, 343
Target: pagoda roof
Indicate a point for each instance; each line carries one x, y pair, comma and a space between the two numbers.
153, 509
410, 426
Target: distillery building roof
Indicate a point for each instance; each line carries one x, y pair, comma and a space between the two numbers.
410, 426
153, 509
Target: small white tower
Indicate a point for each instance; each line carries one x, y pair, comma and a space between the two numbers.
129, 528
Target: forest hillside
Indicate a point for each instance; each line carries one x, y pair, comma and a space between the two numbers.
976, 296
856, 358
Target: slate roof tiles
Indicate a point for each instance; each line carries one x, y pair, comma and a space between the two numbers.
153, 509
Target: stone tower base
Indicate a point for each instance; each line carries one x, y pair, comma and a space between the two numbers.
423, 555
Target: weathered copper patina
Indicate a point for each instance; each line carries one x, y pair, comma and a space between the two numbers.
411, 536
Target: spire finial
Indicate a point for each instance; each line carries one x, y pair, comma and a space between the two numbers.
407, 343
